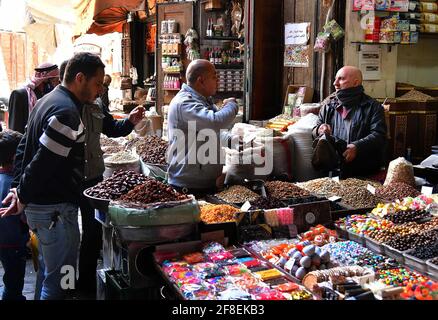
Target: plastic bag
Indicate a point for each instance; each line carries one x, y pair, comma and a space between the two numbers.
280, 152
400, 170
322, 42
334, 29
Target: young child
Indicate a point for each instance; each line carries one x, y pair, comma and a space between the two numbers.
14, 233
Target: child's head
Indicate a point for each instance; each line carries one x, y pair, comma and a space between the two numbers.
9, 141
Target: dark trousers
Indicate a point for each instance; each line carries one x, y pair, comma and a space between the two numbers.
91, 244
14, 264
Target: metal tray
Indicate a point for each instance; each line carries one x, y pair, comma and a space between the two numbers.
359, 238
394, 253
156, 234
97, 203
432, 269
415, 263
342, 233
374, 246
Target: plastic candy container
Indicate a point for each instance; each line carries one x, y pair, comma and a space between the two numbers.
268, 294
218, 256
422, 291
236, 269
212, 247
193, 258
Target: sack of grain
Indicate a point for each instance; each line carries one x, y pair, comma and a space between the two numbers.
400, 170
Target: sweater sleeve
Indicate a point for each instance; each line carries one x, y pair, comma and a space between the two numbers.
61, 132
206, 118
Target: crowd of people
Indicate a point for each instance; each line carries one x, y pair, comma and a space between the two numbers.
51, 153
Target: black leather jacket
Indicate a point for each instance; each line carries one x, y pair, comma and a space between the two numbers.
364, 126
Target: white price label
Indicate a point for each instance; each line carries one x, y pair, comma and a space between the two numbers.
246, 206
371, 189
336, 179
334, 198
427, 191
289, 264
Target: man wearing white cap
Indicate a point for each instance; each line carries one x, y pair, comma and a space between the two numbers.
23, 100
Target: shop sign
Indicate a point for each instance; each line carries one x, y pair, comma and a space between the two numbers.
88, 47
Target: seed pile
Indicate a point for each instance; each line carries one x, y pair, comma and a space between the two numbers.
324, 186
237, 194
120, 183
266, 203
153, 191
284, 190
152, 150
358, 197
397, 190
425, 253
211, 213
357, 183
416, 95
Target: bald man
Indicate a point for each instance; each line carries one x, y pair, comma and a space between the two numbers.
352, 116
195, 136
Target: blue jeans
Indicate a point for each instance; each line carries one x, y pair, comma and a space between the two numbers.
57, 230
14, 263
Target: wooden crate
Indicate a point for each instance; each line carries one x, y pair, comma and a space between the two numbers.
292, 88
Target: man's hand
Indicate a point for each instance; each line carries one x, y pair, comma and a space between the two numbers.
136, 115
324, 129
351, 153
229, 100
15, 206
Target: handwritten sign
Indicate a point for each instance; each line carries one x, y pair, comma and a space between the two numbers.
427, 191
296, 33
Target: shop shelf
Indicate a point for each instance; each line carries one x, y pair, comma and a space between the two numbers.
359, 238
432, 269
374, 246
394, 253
415, 263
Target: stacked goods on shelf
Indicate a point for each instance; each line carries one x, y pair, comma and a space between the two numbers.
429, 17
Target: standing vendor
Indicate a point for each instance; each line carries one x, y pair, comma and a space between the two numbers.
351, 115
195, 125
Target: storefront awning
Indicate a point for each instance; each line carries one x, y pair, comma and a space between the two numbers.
103, 16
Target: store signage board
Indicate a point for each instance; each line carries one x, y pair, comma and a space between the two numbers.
370, 62
88, 47
427, 190
371, 189
296, 33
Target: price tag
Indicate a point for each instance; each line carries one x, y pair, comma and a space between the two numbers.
335, 198
336, 179
246, 206
427, 191
371, 189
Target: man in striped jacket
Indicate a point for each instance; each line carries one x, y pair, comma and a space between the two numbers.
48, 172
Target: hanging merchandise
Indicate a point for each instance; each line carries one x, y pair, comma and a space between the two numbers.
191, 43
322, 42
334, 29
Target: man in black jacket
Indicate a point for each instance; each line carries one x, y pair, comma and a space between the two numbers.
23, 100
351, 115
49, 171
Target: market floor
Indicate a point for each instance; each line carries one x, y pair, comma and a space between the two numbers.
30, 278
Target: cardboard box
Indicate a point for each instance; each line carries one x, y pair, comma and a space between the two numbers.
307, 91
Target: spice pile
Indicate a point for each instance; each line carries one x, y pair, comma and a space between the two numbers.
284, 190
211, 213
152, 150
237, 194
396, 190
110, 146
153, 191
120, 183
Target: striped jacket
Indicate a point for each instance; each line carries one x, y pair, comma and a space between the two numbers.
50, 157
